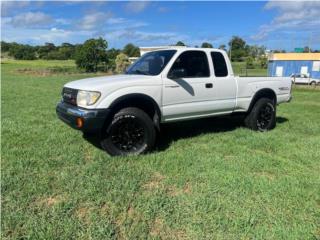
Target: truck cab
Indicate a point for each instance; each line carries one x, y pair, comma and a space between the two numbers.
168, 85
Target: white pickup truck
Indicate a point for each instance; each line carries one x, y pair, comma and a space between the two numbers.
168, 85
304, 79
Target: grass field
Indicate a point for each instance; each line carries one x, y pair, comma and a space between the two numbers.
208, 179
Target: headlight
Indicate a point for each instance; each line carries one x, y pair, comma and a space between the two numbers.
87, 98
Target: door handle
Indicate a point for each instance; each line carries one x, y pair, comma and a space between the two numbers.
208, 85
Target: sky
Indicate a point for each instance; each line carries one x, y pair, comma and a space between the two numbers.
274, 24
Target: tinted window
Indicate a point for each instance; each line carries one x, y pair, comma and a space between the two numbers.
219, 64
151, 63
194, 63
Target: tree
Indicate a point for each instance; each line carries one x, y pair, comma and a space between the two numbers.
179, 43
5, 47
91, 54
43, 51
223, 47
122, 62
263, 61
111, 56
206, 45
22, 52
249, 62
67, 50
238, 48
131, 50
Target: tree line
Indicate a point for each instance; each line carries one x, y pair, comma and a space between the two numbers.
94, 55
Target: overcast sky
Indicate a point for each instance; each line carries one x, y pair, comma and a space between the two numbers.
275, 24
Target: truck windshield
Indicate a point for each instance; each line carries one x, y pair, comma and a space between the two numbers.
151, 63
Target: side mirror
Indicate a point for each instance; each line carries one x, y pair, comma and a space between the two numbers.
177, 73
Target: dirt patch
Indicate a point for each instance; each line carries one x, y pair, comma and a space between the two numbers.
83, 214
267, 175
104, 209
155, 182
131, 217
187, 189
50, 201
34, 72
161, 230
48, 71
174, 191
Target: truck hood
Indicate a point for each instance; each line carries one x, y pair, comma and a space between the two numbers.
98, 83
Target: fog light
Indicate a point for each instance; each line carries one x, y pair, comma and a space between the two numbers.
79, 122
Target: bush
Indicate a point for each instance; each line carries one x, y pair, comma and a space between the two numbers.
22, 52
250, 63
122, 62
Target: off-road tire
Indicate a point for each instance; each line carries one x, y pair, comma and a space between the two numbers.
255, 117
128, 125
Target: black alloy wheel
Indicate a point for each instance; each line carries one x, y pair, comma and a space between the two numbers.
130, 132
262, 116
265, 116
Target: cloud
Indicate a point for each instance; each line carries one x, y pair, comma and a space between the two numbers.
94, 20
31, 20
291, 15
41, 36
101, 23
136, 6
7, 7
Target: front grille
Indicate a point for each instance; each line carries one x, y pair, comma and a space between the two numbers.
69, 95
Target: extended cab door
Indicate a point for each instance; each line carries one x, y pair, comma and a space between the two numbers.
190, 88
224, 82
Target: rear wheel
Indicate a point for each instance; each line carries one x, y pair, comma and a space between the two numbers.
313, 83
130, 132
262, 117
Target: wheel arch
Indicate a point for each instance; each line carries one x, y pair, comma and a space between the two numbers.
138, 100
263, 93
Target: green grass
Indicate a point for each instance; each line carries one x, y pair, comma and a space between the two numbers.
239, 68
208, 179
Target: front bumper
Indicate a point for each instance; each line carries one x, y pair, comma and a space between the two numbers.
92, 119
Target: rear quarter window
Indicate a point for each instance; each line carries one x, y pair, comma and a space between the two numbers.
219, 64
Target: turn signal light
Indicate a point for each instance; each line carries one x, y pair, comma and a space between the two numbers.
79, 122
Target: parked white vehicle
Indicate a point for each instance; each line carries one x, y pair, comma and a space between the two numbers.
168, 85
304, 79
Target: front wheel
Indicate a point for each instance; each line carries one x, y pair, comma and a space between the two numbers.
262, 117
130, 132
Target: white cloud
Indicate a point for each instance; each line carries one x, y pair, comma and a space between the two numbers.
31, 20
94, 20
292, 15
136, 6
40, 36
101, 22
8, 6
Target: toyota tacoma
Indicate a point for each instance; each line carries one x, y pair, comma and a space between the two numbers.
177, 83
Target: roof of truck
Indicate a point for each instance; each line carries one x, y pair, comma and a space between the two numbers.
177, 48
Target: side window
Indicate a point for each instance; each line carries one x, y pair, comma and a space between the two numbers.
219, 64
193, 63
